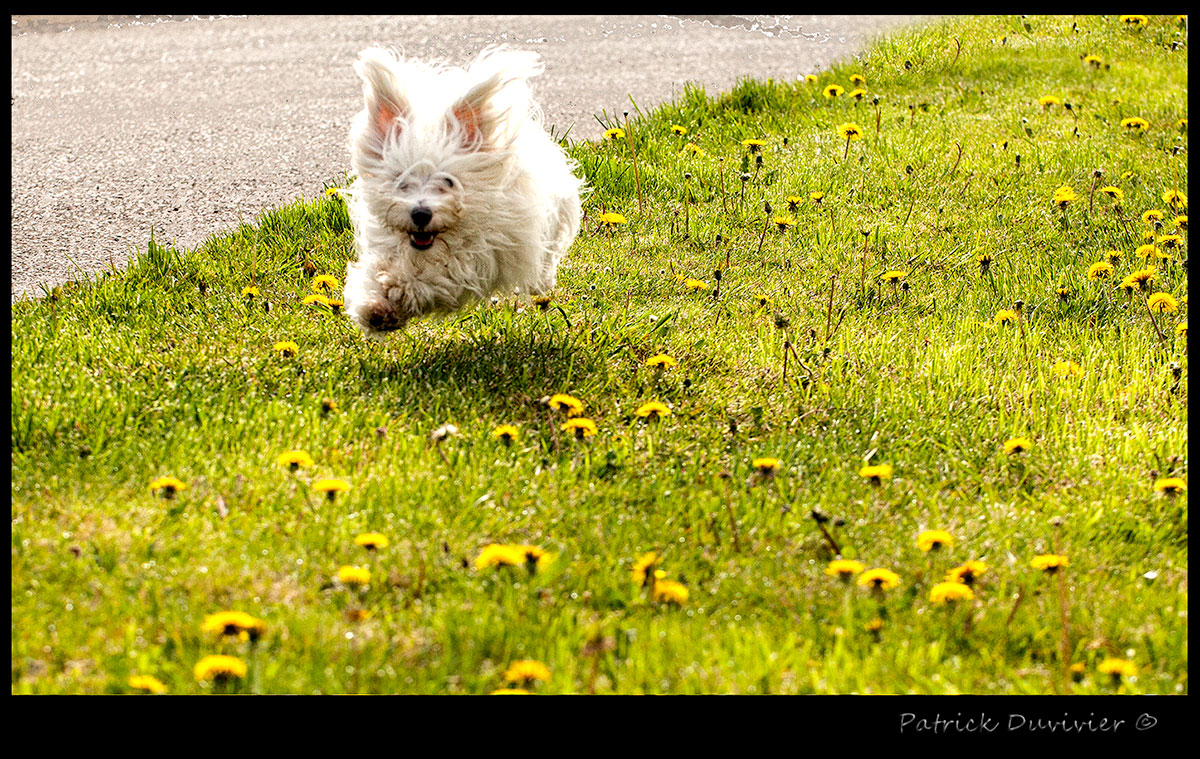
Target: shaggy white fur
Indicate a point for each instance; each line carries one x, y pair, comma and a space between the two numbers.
460, 191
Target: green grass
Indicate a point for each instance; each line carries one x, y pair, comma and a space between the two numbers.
167, 369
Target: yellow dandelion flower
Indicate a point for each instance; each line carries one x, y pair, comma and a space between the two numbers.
526, 671
147, 683
234, 623
661, 360
1170, 485
295, 460
893, 277
816, 197
1163, 303
968, 573
1170, 241
1151, 216
679, 130
695, 284
766, 465
1099, 270
844, 569
580, 427
1175, 199
793, 203
315, 299
1182, 125
1017, 445
499, 555
511, 692
858, 94
832, 91
1113, 255
563, 402
879, 579
810, 78
653, 410
250, 291
330, 487
1180, 221
1006, 316
1181, 330
643, 569
1134, 21
947, 592
614, 134
611, 219
326, 282
1094, 61
933, 540
1141, 277
1049, 563
850, 131
876, 473
754, 144
669, 591
1118, 668
219, 668
1066, 369
1116, 193
505, 433
858, 79
1064, 195
533, 557
694, 149
353, 576
1146, 251
1048, 100
372, 541
784, 222
1135, 124
286, 348
169, 485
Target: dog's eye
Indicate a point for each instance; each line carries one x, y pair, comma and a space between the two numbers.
449, 182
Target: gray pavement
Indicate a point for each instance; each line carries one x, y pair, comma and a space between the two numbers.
188, 125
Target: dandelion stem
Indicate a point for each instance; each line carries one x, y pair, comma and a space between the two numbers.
737, 548
766, 225
637, 177
1154, 321
829, 310
1064, 651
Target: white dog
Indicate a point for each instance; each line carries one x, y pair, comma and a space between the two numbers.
460, 191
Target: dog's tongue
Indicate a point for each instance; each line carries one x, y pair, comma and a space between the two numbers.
422, 240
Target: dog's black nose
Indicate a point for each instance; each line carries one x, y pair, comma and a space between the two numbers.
421, 216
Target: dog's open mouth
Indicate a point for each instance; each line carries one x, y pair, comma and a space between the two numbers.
422, 240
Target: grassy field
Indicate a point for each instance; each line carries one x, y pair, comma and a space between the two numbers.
932, 305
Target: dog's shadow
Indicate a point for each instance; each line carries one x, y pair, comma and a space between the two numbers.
496, 374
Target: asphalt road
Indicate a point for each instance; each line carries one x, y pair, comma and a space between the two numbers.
189, 125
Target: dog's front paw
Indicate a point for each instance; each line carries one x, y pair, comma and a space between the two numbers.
384, 316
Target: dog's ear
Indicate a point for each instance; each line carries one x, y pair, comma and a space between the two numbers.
497, 98
386, 106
